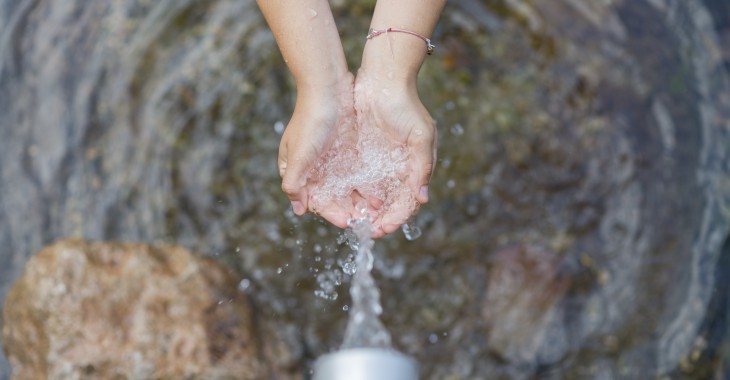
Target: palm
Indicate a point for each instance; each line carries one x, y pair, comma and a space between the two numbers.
403, 120
366, 153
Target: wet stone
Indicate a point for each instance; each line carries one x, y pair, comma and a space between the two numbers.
100, 311
521, 304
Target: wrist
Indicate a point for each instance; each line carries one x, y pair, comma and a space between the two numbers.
329, 80
336, 84
394, 57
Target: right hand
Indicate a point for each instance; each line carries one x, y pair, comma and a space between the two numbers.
320, 116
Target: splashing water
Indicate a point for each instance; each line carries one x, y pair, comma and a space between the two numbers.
411, 230
328, 282
364, 328
368, 164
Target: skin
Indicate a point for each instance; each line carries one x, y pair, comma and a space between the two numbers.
326, 101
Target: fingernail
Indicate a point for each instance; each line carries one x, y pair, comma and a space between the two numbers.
297, 207
424, 192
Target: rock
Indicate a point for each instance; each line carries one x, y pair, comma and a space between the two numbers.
525, 286
116, 310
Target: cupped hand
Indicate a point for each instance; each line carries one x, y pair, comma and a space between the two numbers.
321, 115
394, 107
322, 152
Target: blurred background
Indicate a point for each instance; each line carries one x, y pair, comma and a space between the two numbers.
580, 210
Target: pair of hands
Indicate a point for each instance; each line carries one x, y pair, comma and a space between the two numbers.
325, 113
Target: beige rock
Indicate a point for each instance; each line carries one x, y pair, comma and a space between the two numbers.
525, 286
130, 311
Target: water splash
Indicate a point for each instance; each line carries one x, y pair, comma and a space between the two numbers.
411, 230
457, 129
364, 328
369, 164
328, 282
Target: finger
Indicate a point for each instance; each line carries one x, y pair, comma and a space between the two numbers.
281, 161
293, 172
423, 146
377, 233
392, 221
336, 216
373, 202
364, 205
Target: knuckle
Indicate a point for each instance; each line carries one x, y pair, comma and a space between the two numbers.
289, 188
427, 169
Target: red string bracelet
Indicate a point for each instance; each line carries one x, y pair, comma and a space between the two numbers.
372, 33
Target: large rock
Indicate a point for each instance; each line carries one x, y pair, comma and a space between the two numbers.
521, 304
106, 311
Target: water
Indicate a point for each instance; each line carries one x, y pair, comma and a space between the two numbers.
593, 158
410, 230
366, 174
364, 328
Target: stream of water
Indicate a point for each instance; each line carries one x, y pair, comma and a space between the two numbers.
364, 328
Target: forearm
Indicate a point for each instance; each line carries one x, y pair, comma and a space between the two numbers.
308, 39
399, 53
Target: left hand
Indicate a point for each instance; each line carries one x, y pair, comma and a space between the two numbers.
394, 108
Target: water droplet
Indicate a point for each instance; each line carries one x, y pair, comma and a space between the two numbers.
411, 230
258, 274
457, 130
445, 163
450, 106
279, 270
273, 234
317, 259
349, 268
317, 248
418, 132
450, 184
279, 127
362, 207
323, 294
433, 338
328, 281
312, 13
244, 284
472, 209
345, 308
399, 154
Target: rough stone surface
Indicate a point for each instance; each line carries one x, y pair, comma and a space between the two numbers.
525, 286
129, 311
